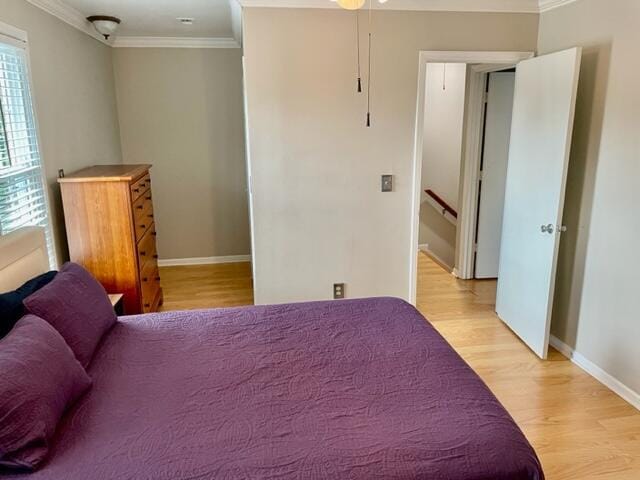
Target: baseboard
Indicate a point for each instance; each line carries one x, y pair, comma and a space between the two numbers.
424, 247
596, 372
177, 262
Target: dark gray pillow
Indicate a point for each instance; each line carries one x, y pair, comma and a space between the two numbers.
11, 306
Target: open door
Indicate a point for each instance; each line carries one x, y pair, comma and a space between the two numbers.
542, 125
495, 155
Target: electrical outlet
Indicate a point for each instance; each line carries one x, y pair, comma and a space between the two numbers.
338, 291
387, 183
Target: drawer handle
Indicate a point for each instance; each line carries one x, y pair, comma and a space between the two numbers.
143, 226
137, 190
154, 234
150, 215
145, 279
142, 185
143, 253
155, 256
147, 198
147, 305
157, 279
140, 207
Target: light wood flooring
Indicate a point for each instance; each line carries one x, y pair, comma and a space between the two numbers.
579, 428
206, 286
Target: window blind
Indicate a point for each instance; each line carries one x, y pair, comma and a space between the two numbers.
23, 200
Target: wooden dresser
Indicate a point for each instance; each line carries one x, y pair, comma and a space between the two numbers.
108, 212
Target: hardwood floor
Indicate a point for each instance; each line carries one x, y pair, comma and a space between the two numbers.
206, 286
580, 429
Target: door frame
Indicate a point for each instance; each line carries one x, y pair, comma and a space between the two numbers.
472, 145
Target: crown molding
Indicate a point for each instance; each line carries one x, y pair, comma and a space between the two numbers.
546, 5
174, 42
502, 6
236, 20
69, 15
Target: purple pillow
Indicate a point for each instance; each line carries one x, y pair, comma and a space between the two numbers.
77, 306
40, 379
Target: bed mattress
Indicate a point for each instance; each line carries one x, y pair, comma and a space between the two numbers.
361, 389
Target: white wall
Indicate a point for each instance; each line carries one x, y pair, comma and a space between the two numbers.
597, 301
442, 154
319, 215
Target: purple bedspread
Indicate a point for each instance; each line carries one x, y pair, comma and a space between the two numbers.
362, 389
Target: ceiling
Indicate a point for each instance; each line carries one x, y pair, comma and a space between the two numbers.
158, 18
218, 23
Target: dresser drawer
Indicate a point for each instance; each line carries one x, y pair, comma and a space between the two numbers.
143, 221
147, 248
150, 285
140, 186
142, 204
142, 214
141, 226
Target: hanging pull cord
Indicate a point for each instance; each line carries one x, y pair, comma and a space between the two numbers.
369, 76
358, 50
444, 76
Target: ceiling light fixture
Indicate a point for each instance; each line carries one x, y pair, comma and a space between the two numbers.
351, 4
104, 24
186, 20
354, 4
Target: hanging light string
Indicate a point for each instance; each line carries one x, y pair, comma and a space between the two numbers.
369, 76
444, 76
358, 50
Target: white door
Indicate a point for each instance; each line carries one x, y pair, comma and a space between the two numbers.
542, 124
494, 172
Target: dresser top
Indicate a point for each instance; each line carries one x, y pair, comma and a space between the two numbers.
107, 173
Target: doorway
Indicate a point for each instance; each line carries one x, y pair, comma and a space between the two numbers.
445, 85
518, 243
445, 117
477, 65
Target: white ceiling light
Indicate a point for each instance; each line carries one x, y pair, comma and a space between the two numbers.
353, 4
105, 24
186, 20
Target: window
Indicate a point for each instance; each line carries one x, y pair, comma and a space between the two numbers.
23, 199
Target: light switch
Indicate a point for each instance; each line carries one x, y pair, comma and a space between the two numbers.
387, 183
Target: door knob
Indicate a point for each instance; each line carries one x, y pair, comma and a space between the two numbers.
547, 228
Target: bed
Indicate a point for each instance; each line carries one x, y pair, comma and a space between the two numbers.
355, 389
